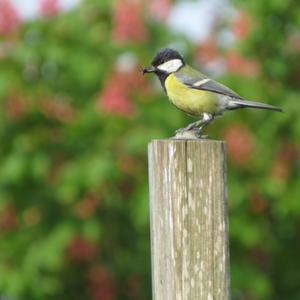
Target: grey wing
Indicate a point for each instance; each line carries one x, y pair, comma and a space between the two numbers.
199, 81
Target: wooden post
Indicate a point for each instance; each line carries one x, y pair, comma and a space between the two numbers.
188, 215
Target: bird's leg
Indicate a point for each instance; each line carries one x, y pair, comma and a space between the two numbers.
207, 118
200, 124
190, 126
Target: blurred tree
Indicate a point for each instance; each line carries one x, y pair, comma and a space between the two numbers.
76, 116
265, 188
75, 121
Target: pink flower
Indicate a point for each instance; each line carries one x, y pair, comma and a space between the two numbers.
115, 100
127, 22
208, 51
258, 203
117, 93
241, 25
100, 284
81, 250
49, 8
294, 42
160, 8
237, 64
284, 161
9, 18
15, 106
240, 143
8, 218
57, 109
280, 170
87, 206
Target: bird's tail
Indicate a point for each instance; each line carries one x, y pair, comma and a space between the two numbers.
236, 103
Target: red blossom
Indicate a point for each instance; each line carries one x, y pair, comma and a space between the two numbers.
207, 51
56, 109
87, 206
81, 250
280, 170
114, 100
117, 93
160, 8
8, 218
294, 42
127, 21
127, 164
241, 25
288, 153
15, 106
133, 286
257, 202
240, 143
101, 285
237, 64
9, 18
284, 161
49, 8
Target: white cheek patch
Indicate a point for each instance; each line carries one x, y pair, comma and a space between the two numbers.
170, 66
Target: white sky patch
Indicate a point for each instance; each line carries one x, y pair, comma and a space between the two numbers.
31, 8
126, 62
195, 19
69, 4
27, 9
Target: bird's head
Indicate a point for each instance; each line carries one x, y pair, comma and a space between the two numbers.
166, 61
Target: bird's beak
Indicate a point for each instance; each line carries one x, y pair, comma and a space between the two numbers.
149, 70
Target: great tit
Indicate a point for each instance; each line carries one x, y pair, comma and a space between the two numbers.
194, 93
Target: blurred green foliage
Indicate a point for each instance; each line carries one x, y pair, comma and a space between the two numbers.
73, 165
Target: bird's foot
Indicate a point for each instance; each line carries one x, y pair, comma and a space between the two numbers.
201, 136
184, 129
194, 130
184, 133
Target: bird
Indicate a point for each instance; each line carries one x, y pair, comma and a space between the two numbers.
195, 93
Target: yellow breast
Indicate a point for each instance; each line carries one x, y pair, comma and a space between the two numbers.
191, 101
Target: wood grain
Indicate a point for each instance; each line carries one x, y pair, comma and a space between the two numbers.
188, 215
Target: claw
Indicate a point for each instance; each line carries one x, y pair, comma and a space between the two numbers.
201, 136
195, 129
180, 130
187, 128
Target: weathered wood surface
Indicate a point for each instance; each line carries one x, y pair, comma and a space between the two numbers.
188, 215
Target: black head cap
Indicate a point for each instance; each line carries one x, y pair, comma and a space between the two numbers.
165, 54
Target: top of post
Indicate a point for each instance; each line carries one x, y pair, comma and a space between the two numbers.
177, 140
